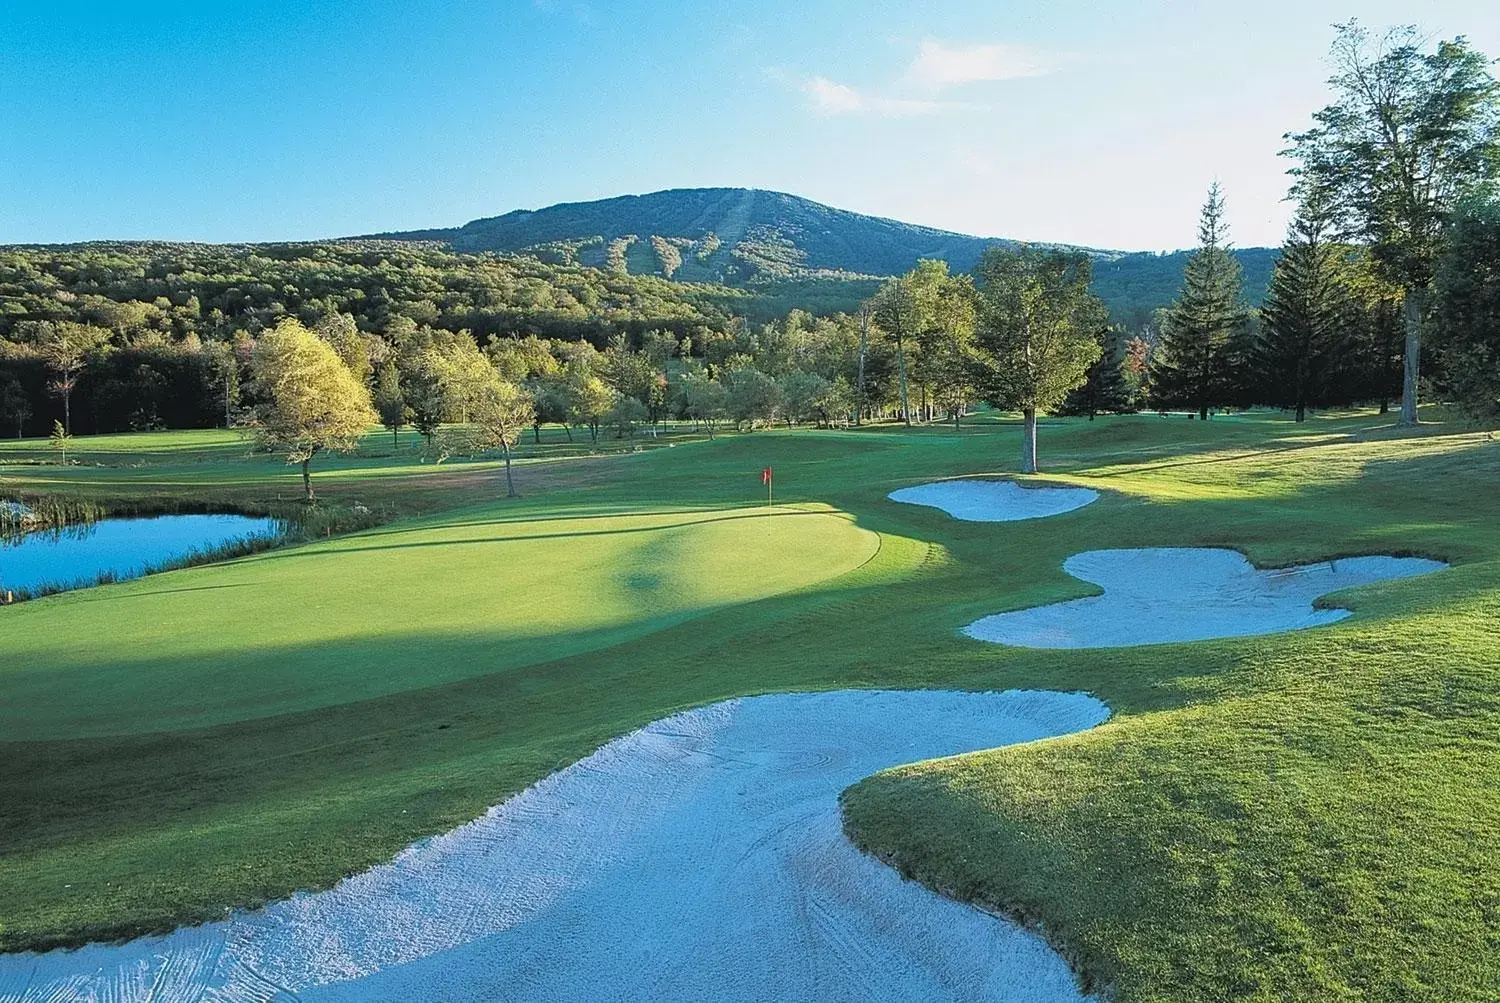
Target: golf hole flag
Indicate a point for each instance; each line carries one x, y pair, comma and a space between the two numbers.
765, 478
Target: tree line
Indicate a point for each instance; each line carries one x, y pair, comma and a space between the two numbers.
1388, 283
1393, 248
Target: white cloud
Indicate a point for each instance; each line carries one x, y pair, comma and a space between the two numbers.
829, 97
939, 66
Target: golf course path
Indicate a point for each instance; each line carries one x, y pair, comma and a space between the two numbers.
994, 501
701, 857
1165, 594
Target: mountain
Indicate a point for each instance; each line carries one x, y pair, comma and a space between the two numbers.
745, 236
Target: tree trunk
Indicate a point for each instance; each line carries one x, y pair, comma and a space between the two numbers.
1301, 411
395, 438
1385, 405
536, 433
859, 380
68, 412
1028, 441
1203, 412
901, 364
1412, 310
307, 481
569, 429
510, 484
228, 391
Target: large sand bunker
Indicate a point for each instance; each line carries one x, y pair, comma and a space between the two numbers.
701, 857
1164, 594
994, 501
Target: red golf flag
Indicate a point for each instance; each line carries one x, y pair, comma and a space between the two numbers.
765, 476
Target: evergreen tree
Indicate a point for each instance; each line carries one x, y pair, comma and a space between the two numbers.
1194, 362
1305, 318
1106, 388
390, 401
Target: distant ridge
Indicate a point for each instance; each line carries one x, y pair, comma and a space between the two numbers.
715, 234
744, 236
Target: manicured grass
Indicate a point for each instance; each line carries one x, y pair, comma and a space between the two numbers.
1304, 816
496, 590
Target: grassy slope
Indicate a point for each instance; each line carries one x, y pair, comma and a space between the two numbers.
204, 647
1305, 816
1311, 816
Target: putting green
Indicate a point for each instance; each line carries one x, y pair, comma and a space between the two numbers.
208, 645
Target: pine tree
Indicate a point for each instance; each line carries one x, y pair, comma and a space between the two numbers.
1304, 331
1193, 364
1106, 389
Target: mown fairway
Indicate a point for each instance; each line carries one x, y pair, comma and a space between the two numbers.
1305, 816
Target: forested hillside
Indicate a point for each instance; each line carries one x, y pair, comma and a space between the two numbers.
743, 237
160, 332
164, 314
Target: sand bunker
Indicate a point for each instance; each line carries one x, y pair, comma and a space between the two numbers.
1166, 594
994, 501
701, 857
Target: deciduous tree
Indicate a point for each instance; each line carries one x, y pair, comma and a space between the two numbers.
66, 351
898, 313
1036, 334
500, 411
1467, 311
14, 406
309, 400
1410, 136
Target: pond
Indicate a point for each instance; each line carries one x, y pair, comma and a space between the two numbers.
79, 556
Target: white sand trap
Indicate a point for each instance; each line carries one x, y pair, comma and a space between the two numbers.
994, 501
700, 858
1164, 594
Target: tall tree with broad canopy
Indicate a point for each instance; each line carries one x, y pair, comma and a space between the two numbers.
309, 400
799, 395
946, 310
1466, 311
590, 399
66, 350
1410, 136
704, 399
898, 312
1194, 361
1305, 320
500, 411
1036, 332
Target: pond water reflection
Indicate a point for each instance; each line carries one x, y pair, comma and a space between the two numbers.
78, 556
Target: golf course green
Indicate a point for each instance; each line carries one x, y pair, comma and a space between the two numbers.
1312, 813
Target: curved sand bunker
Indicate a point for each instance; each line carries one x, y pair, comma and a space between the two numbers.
1166, 594
701, 857
994, 501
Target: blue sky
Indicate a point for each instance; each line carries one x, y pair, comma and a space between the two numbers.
1091, 123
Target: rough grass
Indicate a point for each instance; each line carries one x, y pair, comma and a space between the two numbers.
1305, 816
